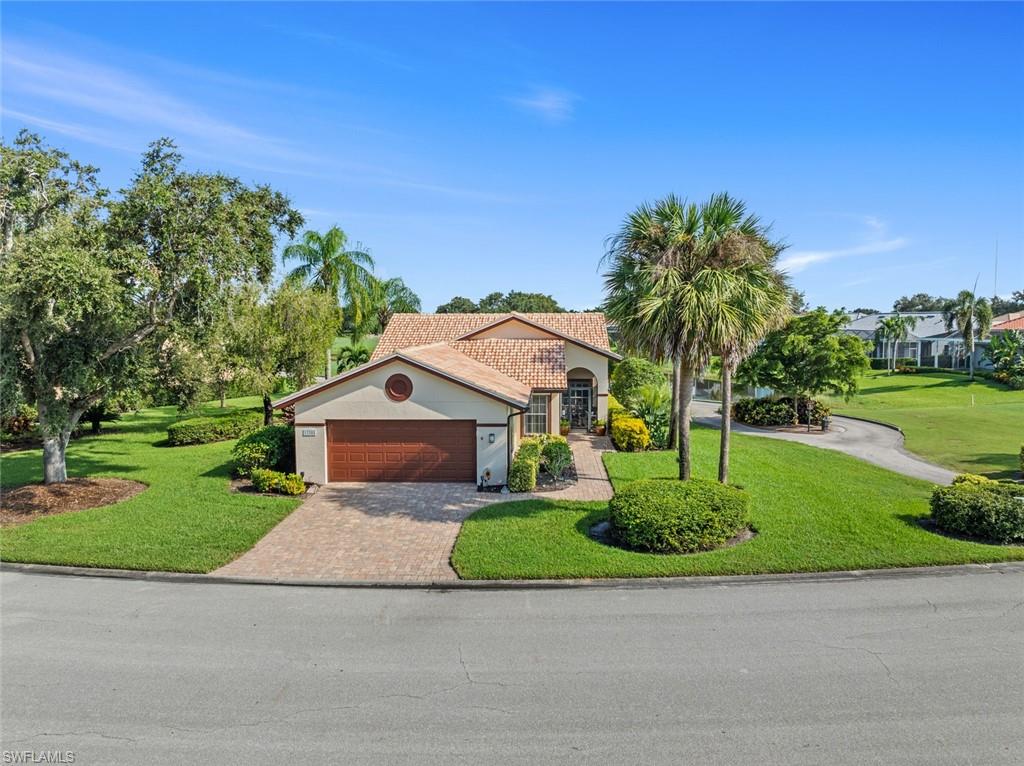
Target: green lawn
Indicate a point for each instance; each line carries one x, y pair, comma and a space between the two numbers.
814, 510
969, 427
186, 521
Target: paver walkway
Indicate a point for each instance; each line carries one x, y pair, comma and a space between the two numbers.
393, 531
872, 442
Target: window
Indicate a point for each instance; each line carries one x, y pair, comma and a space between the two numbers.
537, 415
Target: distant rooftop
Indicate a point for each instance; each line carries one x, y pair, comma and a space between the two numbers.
930, 324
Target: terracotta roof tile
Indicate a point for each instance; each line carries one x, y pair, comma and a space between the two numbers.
406, 330
446, 359
537, 363
1014, 323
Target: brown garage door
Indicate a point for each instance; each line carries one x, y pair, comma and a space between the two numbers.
401, 450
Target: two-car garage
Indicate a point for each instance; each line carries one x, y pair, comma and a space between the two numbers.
401, 450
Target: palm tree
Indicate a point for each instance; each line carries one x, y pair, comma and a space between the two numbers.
387, 297
651, 240
674, 271
327, 265
895, 329
972, 316
759, 302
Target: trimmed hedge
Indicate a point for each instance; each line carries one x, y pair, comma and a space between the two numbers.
629, 434
669, 516
990, 510
763, 412
203, 430
270, 447
522, 476
779, 412
265, 480
615, 409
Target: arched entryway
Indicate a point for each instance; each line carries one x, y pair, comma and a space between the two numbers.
579, 402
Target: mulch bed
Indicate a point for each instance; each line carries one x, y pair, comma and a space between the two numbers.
548, 483
32, 501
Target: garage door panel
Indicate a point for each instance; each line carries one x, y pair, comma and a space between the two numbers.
401, 450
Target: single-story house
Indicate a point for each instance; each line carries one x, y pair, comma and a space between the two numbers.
929, 343
448, 397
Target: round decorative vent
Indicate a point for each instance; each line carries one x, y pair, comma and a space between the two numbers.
398, 388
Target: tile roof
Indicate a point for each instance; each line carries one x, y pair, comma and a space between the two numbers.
536, 362
452, 362
1012, 321
406, 330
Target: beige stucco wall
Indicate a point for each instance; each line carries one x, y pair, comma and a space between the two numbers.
514, 329
363, 398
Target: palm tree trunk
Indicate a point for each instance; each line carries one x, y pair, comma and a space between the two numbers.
723, 449
686, 376
673, 420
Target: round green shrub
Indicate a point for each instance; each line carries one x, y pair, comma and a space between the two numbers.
669, 516
630, 434
632, 373
990, 510
556, 456
269, 447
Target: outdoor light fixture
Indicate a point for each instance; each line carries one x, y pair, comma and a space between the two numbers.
490, 438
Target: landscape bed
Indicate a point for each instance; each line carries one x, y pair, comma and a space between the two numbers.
187, 520
813, 510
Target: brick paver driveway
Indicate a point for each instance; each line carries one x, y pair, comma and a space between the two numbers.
392, 531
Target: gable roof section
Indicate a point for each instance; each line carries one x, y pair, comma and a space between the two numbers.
536, 362
405, 330
439, 359
1012, 321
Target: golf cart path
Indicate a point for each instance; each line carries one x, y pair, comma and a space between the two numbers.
877, 444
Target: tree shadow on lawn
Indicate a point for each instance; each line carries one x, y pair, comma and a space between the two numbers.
27, 467
987, 459
892, 389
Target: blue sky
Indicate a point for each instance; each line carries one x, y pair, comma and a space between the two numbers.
489, 147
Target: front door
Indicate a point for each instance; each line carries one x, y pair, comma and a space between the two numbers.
580, 392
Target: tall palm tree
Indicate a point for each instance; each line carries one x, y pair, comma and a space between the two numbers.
387, 297
758, 302
972, 316
326, 264
650, 240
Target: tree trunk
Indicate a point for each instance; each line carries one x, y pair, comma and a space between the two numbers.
807, 412
55, 469
686, 375
328, 373
223, 391
723, 448
673, 419
268, 410
96, 423
970, 363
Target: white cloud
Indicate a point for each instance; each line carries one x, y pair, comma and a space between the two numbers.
550, 104
877, 242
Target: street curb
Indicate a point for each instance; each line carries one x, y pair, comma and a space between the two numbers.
637, 583
877, 423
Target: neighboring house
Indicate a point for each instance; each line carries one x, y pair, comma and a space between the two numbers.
448, 397
929, 343
1012, 321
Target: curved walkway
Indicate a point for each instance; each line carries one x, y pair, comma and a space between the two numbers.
877, 444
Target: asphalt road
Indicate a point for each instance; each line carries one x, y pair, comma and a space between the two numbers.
923, 670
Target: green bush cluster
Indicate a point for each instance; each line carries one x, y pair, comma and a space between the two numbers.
615, 409
265, 480
629, 434
669, 516
779, 412
990, 510
548, 451
202, 430
632, 373
763, 412
269, 447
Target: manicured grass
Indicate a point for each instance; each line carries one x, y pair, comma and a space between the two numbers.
813, 510
969, 427
187, 521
